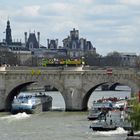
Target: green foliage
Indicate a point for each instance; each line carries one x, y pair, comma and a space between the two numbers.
135, 114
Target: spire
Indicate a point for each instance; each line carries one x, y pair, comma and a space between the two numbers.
8, 33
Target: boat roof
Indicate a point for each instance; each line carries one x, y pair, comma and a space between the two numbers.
101, 105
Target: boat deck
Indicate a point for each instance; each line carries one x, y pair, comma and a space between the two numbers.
114, 119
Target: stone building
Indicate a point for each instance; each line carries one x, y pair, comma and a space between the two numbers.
8, 42
52, 44
73, 46
18, 48
77, 47
32, 42
128, 59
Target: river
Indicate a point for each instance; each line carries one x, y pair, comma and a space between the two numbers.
58, 124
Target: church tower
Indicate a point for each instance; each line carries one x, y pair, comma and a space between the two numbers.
8, 34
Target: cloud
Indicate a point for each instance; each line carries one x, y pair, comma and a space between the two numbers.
3, 13
130, 2
29, 11
86, 1
108, 24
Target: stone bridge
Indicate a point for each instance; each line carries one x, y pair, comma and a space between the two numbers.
75, 84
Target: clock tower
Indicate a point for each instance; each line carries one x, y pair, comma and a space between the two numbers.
8, 34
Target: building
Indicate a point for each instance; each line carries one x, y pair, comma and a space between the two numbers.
128, 59
52, 44
8, 34
73, 46
32, 42
77, 47
123, 59
18, 48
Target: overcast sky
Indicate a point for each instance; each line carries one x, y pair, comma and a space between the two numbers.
111, 25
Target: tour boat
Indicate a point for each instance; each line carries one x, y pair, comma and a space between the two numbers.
107, 126
31, 104
110, 103
106, 105
103, 126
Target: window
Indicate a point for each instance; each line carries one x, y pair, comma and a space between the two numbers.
74, 45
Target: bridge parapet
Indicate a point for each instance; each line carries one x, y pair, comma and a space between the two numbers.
78, 68
66, 71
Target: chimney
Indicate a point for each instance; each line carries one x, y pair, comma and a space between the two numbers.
38, 38
25, 37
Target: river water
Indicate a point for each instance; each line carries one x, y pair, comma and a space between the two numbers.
58, 124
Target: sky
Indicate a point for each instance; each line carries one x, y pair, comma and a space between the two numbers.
110, 25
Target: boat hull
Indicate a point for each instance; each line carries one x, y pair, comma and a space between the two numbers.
45, 104
96, 128
92, 117
18, 108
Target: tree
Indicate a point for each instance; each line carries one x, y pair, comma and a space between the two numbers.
7, 57
92, 59
113, 59
134, 116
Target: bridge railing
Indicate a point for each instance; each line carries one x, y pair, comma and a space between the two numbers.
96, 70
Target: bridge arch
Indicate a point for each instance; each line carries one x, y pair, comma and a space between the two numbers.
88, 94
14, 90
113, 86
92, 84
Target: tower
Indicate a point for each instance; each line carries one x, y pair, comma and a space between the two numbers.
74, 34
25, 33
38, 38
8, 34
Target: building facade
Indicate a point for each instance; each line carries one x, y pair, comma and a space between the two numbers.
73, 46
128, 59
77, 47
32, 42
52, 44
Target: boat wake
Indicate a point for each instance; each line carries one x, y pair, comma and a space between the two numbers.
18, 116
118, 131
